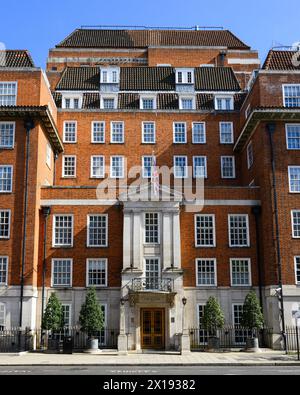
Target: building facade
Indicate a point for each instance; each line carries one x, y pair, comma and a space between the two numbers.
80, 146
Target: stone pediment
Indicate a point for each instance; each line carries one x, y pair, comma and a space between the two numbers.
145, 193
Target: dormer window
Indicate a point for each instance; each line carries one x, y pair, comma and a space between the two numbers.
109, 102
147, 102
110, 75
184, 76
187, 103
71, 102
225, 103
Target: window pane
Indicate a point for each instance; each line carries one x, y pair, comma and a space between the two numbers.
149, 132
292, 96
293, 136
5, 178
117, 132
205, 231
97, 230
227, 170
179, 133
4, 224
63, 230
240, 271
97, 166
180, 166
98, 132
70, 132
294, 179
61, 272
226, 133
7, 135
8, 94
69, 166
238, 226
199, 166
97, 272
152, 271
3, 269
152, 228
199, 133
296, 223
117, 167
206, 271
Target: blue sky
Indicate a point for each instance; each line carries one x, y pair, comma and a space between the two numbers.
39, 25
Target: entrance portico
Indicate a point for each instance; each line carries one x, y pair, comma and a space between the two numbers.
152, 285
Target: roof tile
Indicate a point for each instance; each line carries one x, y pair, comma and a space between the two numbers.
15, 58
282, 60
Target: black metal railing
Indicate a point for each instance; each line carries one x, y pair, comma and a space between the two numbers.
50, 340
292, 338
230, 337
152, 284
15, 340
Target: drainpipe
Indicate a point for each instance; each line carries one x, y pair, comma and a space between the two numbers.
46, 212
256, 211
271, 127
28, 125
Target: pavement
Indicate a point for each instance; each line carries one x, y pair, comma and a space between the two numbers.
111, 358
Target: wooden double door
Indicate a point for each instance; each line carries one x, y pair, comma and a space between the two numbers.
153, 328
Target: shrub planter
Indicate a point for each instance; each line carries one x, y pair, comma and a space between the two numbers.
213, 343
252, 344
93, 346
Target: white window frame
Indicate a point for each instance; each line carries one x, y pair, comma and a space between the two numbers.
63, 166
193, 132
102, 175
184, 74
108, 97
92, 132
64, 131
12, 178
156, 258
192, 98
143, 132
286, 135
109, 75
224, 97
6, 271
13, 135
143, 166
289, 176
292, 219
111, 132
16, 86
158, 228
105, 260
205, 161
185, 133
250, 155
214, 260
152, 97
70, 314
283, 93
123, 167
88, 231
295, 268
186, 175
53, 231
214, 231
52, 272
249, 272
231, 130
233, 164
9, 224
72, 97
248, 231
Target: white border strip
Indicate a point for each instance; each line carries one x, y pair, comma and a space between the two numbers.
99, 202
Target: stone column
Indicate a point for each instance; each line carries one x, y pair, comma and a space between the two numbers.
176, 240
122, 338
167, 239
185, 337
137, 240
127, 240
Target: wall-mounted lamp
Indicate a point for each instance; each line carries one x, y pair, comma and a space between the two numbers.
184, 300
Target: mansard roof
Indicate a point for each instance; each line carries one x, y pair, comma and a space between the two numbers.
15, 58
282, 60
116, 38
149, 79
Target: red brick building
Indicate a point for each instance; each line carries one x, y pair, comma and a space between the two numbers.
197, 101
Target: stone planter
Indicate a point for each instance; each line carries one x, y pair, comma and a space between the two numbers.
213, 343
93, 346
252, 344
